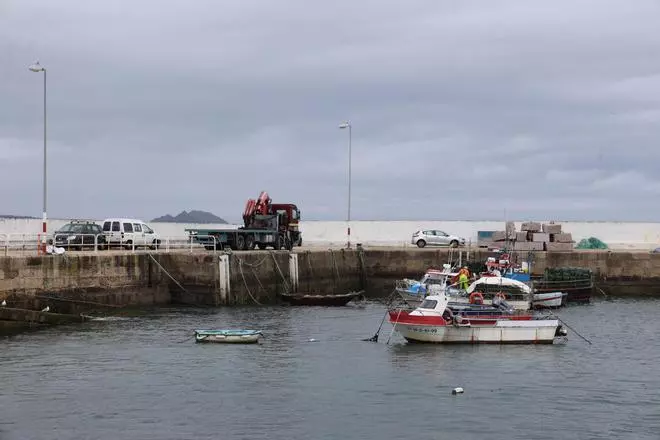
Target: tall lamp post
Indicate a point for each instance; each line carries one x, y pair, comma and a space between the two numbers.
36, 67
343, 125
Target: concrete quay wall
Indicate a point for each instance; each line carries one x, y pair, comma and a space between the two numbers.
119, 279
618, 235
213, 279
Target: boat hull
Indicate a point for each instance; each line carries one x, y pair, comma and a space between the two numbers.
516, 304
548, 300
319, 300
500, 331
478, 334
228, 337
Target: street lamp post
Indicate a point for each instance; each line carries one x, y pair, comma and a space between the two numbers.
36, 67
343, 125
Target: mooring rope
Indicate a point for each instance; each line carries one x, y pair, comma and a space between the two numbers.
252, 265
309, 263
166, 272
256, 277
240, 267
286, 283
334, 264
394, 326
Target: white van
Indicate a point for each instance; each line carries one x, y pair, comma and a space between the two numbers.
129, 233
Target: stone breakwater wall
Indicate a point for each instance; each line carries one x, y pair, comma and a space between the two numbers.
67, 284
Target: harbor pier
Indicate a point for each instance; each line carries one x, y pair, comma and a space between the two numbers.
77, 283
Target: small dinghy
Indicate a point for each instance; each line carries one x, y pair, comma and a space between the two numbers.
228, 336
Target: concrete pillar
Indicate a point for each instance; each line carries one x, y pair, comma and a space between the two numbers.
293, 271
224, 278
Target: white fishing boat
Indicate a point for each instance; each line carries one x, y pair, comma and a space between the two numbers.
548, 299
228, 336
432, 282
516, 293
434, 322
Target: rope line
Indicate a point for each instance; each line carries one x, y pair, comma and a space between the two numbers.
240, 267
284, 280
167, 273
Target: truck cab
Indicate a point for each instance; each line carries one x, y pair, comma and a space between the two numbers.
289, 219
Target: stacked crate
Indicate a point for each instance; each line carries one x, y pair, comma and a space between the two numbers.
534, 236
530, 237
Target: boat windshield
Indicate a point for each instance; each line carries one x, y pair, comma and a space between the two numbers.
428, 304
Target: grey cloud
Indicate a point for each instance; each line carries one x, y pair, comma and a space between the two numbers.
459, 110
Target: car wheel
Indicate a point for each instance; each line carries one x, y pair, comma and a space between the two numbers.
453, 244
421, 243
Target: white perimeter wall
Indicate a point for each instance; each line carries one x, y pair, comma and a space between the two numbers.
618, 235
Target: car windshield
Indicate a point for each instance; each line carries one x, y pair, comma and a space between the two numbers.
71, 227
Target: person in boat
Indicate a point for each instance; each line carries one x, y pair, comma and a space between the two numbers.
463, 278
494, 271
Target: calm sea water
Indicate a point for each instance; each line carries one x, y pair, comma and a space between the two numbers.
134, 378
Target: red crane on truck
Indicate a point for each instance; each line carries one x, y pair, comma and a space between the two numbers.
264, 224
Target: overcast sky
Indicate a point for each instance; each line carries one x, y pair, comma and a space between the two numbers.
460, 110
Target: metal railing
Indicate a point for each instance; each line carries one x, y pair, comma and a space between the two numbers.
33, 243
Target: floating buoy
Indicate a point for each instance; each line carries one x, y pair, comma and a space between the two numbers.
312, 340
457, 390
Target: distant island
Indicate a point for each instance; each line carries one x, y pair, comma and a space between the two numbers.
190, 217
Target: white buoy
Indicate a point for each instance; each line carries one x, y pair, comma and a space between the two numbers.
312, 340
4, 303
457, 390
46, 309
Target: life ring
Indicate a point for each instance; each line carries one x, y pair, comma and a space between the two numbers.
476, 296
501, 296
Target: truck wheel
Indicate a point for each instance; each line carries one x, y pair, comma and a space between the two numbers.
278, 243
261, 246
288, 244
240, 243
249, 242
218, 246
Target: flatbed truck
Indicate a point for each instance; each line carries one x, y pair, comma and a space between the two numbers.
265, 225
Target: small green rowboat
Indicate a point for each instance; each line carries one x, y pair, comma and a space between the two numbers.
228, 336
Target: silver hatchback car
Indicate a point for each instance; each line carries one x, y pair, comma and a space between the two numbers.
434, 237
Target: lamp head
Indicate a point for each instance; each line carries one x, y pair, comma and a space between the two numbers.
345, 124
36, 67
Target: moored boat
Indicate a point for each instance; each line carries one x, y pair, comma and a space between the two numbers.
310, 299
541, 300
229, 336
434, 322
432, 282
516, 293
